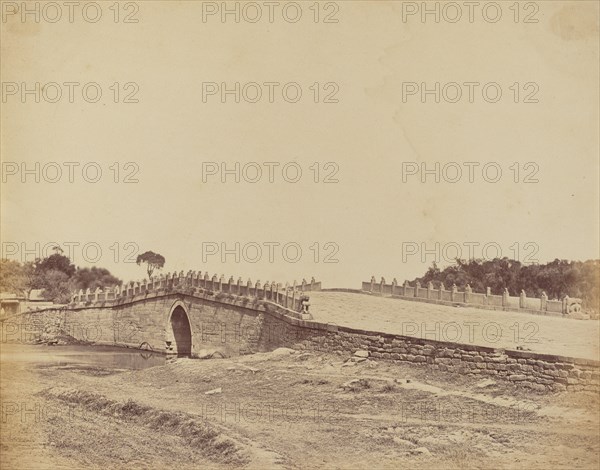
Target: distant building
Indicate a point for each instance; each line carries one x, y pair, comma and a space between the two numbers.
13, 304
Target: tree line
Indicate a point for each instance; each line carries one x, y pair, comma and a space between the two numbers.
55, 275
58, 277
557, 278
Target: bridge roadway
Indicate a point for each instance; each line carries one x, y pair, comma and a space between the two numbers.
498, 329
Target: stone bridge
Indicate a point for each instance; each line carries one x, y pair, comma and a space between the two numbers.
204, 316
183, 314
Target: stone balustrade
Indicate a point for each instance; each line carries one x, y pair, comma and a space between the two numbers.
291, 297
569, 307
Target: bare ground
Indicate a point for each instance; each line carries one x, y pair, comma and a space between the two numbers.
297, 410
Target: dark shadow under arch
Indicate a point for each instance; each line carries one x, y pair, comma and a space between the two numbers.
182, 332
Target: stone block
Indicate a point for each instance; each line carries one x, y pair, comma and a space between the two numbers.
517, 377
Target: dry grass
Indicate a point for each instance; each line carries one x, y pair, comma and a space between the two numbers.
196, 433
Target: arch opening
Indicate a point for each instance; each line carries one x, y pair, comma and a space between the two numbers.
181, 333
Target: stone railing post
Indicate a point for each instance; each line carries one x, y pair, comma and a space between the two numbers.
372, 284
441, 290
381, 285
417, 287
110, 293
312, 283
430, 290
293, 306
522, 299
239, 286
468, 292
505, 296
543, 301
287, 288
565, 305
221, 279
405, 287
394, 285
257, 288
230, 285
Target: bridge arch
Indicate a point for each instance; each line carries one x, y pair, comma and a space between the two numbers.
178, 337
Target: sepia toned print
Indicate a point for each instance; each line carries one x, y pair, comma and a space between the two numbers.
353, 234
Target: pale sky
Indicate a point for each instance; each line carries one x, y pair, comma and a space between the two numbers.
170, 133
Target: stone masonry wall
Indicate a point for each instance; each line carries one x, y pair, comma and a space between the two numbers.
532, 370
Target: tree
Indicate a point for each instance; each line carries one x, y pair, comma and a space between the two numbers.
152, 260
57, 287
55, 262
19, 278
92, 278
12, 277
55, 275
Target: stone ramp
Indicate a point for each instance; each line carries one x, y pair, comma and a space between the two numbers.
495, 329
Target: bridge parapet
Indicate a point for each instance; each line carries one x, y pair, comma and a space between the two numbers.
568, 307
289, 297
